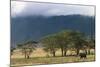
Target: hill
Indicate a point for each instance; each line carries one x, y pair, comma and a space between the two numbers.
34, 27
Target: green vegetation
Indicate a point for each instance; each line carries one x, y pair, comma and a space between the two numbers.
49, 60
27, 48
12, 50
56, 47
66, 40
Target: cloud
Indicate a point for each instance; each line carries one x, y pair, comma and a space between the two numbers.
19, 8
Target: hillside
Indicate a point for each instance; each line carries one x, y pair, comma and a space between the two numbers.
34, 27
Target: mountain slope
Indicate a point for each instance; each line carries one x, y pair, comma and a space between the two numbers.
35, 27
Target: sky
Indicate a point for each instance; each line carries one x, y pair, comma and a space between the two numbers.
19, 8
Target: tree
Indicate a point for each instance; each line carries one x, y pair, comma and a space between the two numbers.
27, 48
64, 41
90, 44
50, 44
12, 50
60, 43
78, 39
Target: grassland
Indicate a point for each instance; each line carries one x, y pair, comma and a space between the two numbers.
39, 57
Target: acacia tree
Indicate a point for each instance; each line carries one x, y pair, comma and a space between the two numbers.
50, 44
60, 40
78, 40
64, 41
27, 48
60, 43
12, 50
90, 44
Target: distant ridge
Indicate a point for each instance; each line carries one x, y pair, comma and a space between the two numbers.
34, 27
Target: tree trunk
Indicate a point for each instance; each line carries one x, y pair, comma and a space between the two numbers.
62, 52
77, 51
28, 56
53, 53
88, 51
25, 55
65, 53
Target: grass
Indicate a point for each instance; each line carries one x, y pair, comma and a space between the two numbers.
39, 57
50, 60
